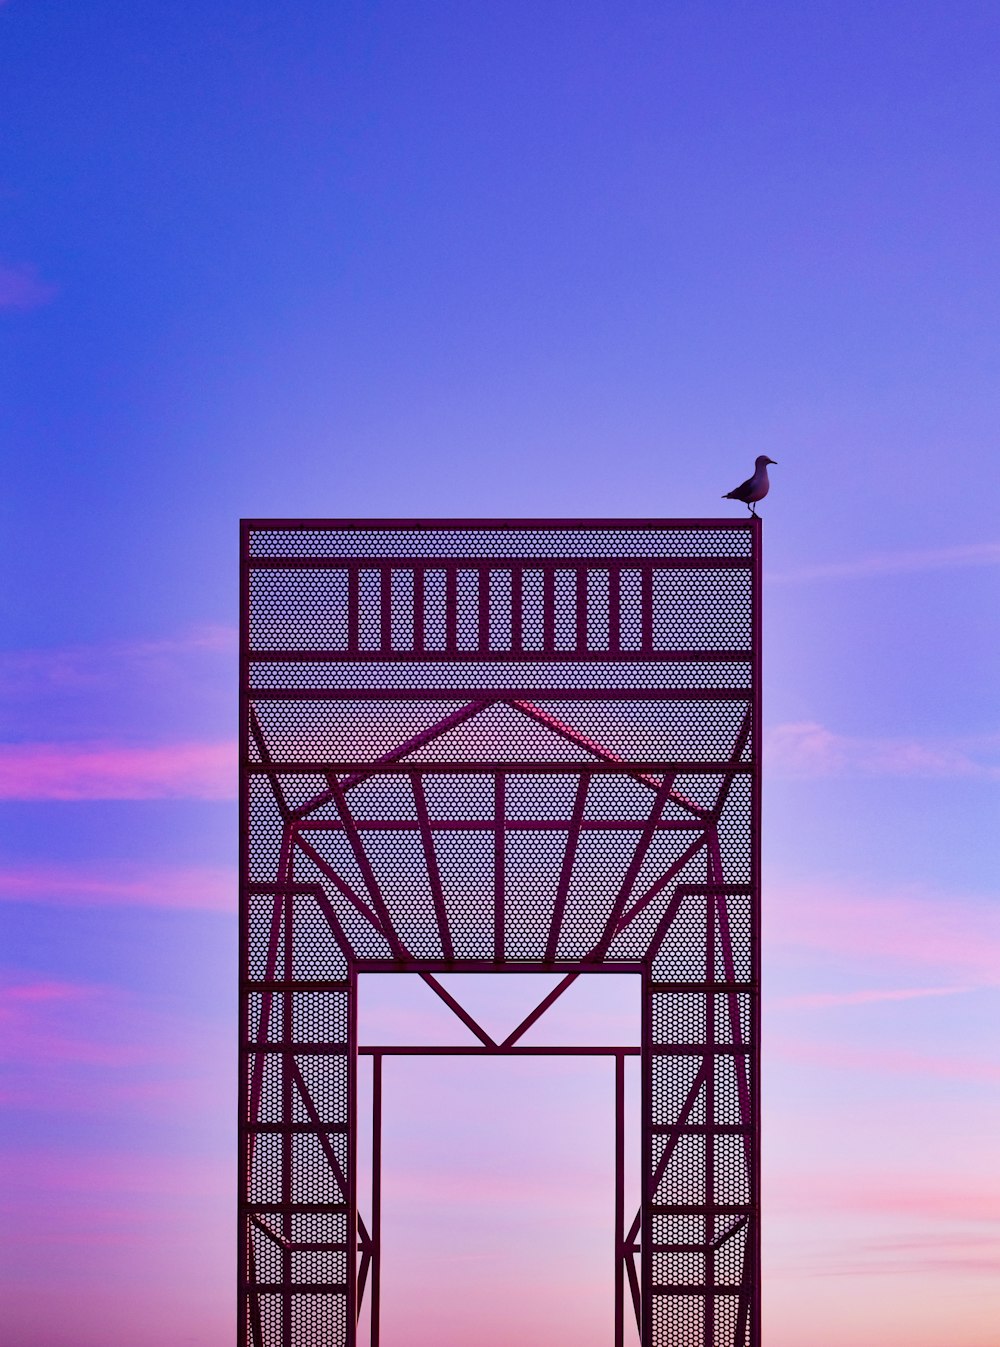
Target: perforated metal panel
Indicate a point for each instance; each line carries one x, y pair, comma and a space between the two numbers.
489, 745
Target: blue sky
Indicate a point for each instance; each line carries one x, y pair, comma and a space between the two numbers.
433, 258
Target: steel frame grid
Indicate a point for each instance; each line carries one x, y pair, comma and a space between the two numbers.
410, 614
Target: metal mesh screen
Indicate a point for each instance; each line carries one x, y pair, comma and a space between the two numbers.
500, 745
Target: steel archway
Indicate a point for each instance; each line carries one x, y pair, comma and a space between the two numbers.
501, 745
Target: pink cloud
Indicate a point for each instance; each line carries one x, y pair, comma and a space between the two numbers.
942, 1251
80, 1050
25, 1005
47, 1023
84, 665
101, 1185
106, 771
868, 1259
22, 288
34, 992
102, 1086
883, 1061
895, 563
180, 683
808, 749
212, 637
945, 1197
482, 1192
865, 996
938, 1252
956, 935
204, 888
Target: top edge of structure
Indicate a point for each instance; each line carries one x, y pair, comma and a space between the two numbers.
427, 523
482, 539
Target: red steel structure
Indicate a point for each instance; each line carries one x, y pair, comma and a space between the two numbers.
500, 745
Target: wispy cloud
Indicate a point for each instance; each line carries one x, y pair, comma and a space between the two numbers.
941, 1250
957, 936
21, 287
931, 1229
35, 993
888, 1061
82, 1048
118, 688
108, 771
893, 563
931, 1197
125, 1226
445, 1189
72, 665
60, 1171
805, 748
867, 996
117, 884
43, 1023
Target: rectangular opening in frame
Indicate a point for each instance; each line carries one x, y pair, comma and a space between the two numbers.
498, 1179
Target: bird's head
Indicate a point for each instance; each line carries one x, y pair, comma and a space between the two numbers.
762, 461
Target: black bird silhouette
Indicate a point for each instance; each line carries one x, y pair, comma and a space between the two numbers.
755, 488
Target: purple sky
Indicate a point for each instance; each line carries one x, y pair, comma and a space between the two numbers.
561, 258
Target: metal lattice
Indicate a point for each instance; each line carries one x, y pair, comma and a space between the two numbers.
501, 745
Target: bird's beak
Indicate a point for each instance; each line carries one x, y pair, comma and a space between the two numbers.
774, 461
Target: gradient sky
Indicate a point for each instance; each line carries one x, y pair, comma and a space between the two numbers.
432, 257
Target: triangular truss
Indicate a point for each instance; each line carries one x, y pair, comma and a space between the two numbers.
349, 835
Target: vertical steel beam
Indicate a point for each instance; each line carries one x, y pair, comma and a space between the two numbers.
244, 1272
499, 864
287, 1114
419, 639
376, 1216
549, 608
581, 574
483, 623
646, 609
351, 1333
708, 1228
451, 608
614, 609
517, 610
620, 1200
385, 608
353, 610
757, 647
647, 1193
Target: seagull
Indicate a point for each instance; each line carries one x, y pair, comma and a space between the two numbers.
755, 488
